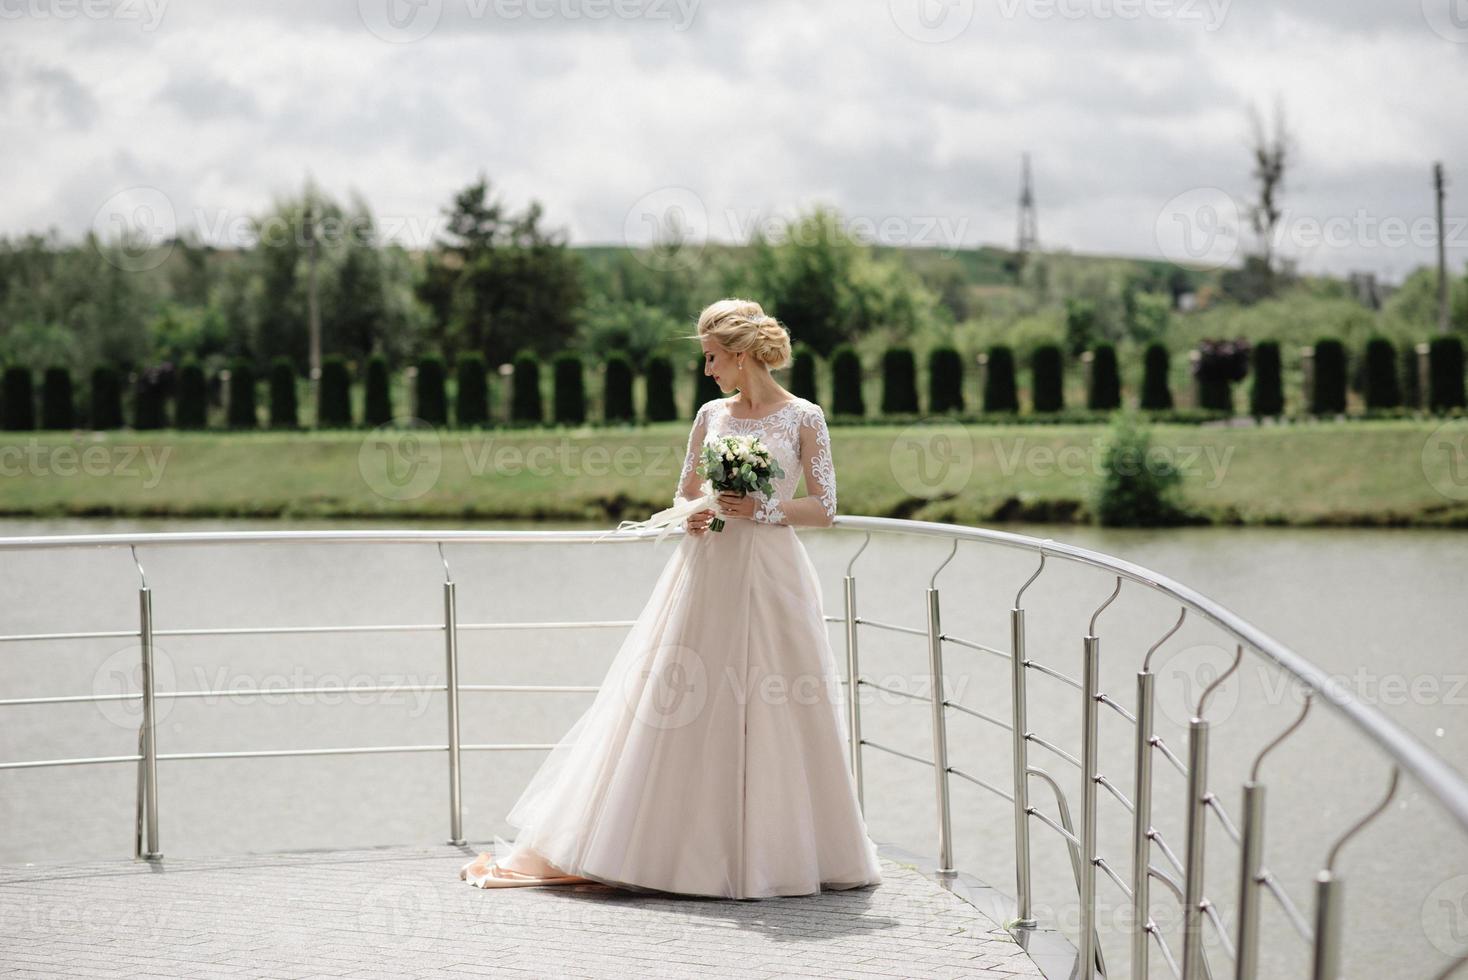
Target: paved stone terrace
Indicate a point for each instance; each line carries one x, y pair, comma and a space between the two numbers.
403, 912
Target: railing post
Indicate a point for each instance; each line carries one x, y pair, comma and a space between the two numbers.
940, 736
1251, 859
1142, 825
149, 731
1024, 913
1090, 731
853, 690
451, 652
1326, 961
1193, 863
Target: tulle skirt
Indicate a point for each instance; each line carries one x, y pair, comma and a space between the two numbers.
713, 759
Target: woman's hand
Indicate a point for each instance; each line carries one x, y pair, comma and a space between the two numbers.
698, 521
733, 504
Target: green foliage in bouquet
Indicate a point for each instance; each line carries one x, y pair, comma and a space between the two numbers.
738, 463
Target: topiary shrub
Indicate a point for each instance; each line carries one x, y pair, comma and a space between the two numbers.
616, 395
1001, 392
1218, 365
1411, 377
17, 400
705, 388
150, 397
525, 405
1104, 392
1328, 394
846, 393
428, 391
377, 399
334, 394
945, 380
471, 390
1381, 388
660, 405
1048, 379
191, 411
570, 389
284, 405
106, 410
1156, 392
1137, 487
242, 395
58, 400
803, 372
1445, 373
1266, 394
899, 382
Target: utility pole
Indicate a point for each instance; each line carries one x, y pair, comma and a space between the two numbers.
1442, 251
313, 310
1029, 233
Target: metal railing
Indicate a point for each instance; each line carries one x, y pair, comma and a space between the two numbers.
1184, 878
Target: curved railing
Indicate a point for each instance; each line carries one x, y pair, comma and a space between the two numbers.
1184, 878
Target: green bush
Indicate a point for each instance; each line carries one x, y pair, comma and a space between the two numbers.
471, 390
106, 410
1381, 389
1411, 377
1156, 392
1104, 392
945, 380
1328, 395
1048, 379
658, 383
570, 389
705, 388
284, 402
334, 394
617, 403
429, 396
242, 395
1266, 392
192, 409
525, 403
1081, 330
846, 393
18, 401
1445, 373
377, 400
58, 400
1001, 393
899, 382
150, 400
803, 373
1137, 488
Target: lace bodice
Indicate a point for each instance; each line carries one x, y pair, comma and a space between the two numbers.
797, 436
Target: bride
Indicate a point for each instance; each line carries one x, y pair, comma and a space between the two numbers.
712, 760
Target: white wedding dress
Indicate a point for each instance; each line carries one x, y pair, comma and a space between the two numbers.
713, 759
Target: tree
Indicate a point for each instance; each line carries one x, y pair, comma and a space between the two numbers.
1272, 155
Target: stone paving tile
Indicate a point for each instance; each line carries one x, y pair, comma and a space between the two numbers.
403, 912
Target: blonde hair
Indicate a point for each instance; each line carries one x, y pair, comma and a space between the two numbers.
742, 326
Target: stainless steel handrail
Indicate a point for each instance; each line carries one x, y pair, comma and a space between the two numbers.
1409, 756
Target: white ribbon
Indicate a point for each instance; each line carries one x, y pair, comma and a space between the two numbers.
669, 516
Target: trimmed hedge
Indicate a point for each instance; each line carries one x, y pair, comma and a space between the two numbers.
429, 396
803, 372
471, 390
284, 404
1266, 393
617, 403
899, 382
150, 399
1381, 388
106, 412
1156, 392
1047, 370
58, 399
1001, 392
846, 393
570, 389
377, 400
242, 395
1104, 393
192, 408
945, 380
17, 400
705, 388
657, 382
1328, 394
525, 404
1445, 373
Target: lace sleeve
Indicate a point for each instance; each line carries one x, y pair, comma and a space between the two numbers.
688, 480
818, 507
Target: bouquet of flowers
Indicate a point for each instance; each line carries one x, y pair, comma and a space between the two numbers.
738, 463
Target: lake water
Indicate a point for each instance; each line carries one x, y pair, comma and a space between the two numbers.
1381, 610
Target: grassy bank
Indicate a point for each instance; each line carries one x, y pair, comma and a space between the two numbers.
1325, 473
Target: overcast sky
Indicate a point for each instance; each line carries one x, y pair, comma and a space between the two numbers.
910, 116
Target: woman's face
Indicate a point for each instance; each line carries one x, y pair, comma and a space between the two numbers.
720, 364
